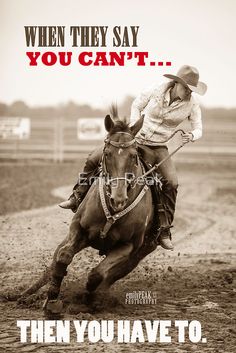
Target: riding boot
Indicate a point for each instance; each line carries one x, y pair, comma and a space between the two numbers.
73, 201
163, 232
79, 192
91, 169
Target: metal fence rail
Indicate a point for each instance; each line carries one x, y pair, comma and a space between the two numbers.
53, 139
57, 139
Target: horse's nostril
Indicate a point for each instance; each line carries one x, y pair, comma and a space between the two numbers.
121, 204
118, 205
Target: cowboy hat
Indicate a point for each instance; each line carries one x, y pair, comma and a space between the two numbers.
189, 76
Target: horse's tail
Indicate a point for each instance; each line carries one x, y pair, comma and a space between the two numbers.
45, 276
42, 281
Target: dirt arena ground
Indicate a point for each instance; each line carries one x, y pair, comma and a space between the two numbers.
194, 282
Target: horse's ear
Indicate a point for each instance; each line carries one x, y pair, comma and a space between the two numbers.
109, 123
137, 126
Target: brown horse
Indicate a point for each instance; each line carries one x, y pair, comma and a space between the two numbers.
126, 239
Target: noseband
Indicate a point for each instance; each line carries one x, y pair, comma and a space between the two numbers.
116, 144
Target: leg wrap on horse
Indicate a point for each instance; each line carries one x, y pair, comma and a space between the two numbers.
58, 273
59, 269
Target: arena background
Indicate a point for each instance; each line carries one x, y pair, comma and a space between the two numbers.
42, 149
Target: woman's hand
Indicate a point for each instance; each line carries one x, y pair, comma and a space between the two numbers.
188, 136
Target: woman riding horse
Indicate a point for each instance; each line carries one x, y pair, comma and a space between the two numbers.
164, 108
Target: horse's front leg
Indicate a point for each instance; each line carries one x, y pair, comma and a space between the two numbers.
118, 263
99, 278
63, 256
124, 268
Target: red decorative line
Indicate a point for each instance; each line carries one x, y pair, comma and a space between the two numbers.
168, 63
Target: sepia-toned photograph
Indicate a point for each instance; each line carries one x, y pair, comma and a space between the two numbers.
117, 169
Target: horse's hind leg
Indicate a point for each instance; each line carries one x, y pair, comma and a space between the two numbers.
63, 256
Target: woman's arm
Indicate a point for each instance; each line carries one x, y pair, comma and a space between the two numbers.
196, 122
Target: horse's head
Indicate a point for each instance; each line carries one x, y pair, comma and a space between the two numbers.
120, 159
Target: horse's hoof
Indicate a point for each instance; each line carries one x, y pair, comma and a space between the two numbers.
78, 308
10, 297
53, 306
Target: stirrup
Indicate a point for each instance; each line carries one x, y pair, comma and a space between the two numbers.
162, 228
165, 227
157, 232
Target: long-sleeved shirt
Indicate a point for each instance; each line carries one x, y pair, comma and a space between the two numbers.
160, 118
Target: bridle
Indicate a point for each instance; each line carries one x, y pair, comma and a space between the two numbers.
105, 174
112, 218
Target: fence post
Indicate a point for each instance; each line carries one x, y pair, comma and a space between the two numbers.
55, 140
60, 139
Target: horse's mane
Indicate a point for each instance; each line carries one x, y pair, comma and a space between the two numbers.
120, 125
114, 111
